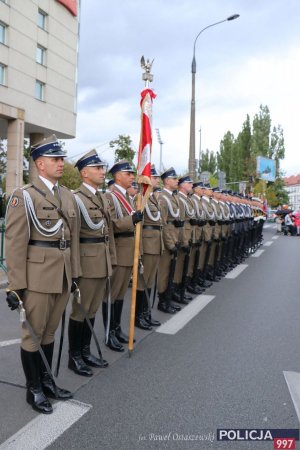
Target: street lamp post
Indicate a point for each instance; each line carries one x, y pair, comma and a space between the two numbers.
192, 161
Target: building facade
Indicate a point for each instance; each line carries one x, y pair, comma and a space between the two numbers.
38, 75
292, 186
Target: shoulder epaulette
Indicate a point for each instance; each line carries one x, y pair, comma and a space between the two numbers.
27, 186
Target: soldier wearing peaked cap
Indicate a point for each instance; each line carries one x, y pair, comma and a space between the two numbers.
42, 254
124, 217
170, 210
97, 254
152, 247
187, 239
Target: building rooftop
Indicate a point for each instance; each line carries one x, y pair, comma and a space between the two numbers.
292, 180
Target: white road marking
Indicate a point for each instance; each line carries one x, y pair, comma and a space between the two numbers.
45, 429
268, 243
293, 381
275, 237
181, 318
11, 342
267, 226
236, 271
257, 253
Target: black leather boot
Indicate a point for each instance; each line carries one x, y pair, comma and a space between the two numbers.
122, 337
76, 362
202, 281
164, 305
113, 343
31, 362
88, 358
148, 312
177, 297
49, 388
192, 288
140, 321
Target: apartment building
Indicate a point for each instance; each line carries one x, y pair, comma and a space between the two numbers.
38, 75
292, 186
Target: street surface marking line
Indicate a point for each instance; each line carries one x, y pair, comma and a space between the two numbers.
185, 315
42, 431
267, 226
236, 271
275, 237
293, 381
257, 253
11, 342
268, 243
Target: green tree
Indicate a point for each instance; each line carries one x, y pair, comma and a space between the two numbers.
277, 148
276, 194
122, 148
71, 177
225, 156
208, 162
261, 132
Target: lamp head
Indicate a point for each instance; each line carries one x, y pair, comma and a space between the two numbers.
233, 17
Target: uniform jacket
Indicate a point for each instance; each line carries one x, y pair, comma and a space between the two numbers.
210, 216
170, 232
188, 231
122, 225
96, 259
198, 205
152, 242
41, 269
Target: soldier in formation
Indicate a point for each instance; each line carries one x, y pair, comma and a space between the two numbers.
58, 242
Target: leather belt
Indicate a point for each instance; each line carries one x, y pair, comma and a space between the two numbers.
125, 234
152, 227
62, 244
177, 223
93, 240
212, 222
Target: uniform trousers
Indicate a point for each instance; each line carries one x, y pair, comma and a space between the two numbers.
43, 312
163, 271
92, 292
150, 263
119, 282
179, 267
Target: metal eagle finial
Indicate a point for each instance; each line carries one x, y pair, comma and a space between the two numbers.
146, 65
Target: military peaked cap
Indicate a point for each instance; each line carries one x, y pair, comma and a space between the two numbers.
48, 147
90, 159
185, 179
121, 166
170, 173
154, 172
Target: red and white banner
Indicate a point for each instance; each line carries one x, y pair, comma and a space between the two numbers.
71, 5
144, 156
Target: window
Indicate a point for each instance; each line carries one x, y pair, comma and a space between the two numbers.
41, 20
2, 74
39, 90
40, 55
2, 33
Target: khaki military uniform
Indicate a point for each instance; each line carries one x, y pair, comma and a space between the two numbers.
169, 206
45, 272
97, 251
151, 241
123, 229
217, 233
187, 233
208, 229
198, 234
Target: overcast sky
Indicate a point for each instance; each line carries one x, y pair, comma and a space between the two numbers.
241, 64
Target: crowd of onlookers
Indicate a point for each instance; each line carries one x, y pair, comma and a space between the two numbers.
288, 223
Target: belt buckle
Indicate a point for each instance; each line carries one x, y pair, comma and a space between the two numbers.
62, 244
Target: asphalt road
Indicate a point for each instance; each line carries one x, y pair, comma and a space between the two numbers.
223, 369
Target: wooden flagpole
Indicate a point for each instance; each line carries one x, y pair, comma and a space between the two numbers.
147, 77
